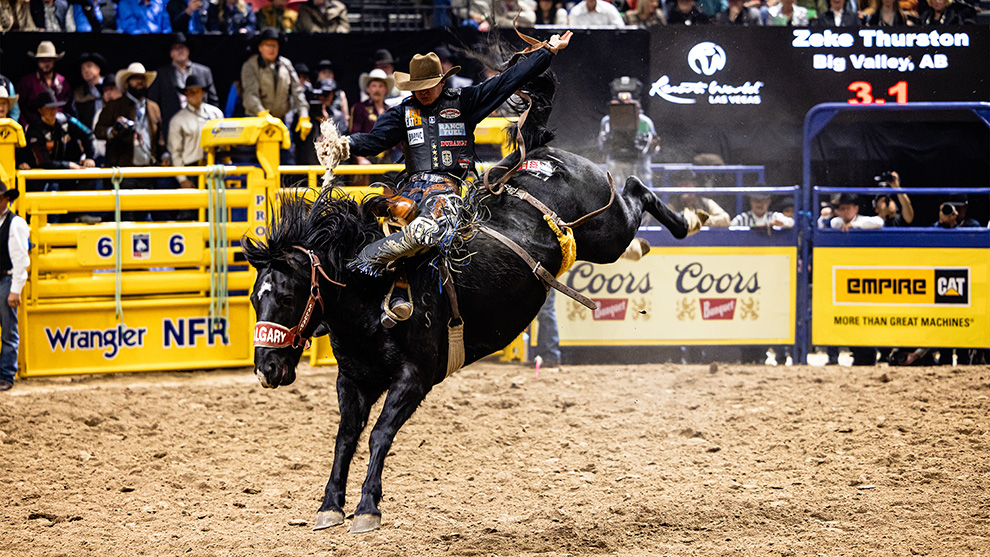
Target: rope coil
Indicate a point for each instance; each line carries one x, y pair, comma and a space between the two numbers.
216, 178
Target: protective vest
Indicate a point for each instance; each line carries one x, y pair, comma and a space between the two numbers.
438, 138
5, 263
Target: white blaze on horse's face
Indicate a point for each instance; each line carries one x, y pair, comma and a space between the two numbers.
265, 287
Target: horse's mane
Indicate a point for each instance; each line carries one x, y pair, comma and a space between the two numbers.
334, 226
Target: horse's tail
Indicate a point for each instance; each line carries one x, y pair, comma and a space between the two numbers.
535, 131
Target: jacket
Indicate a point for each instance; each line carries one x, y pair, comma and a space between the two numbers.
120, 148
262, 90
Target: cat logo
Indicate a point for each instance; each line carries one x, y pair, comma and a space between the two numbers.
952, 286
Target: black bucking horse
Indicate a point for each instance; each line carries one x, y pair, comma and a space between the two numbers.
303, 289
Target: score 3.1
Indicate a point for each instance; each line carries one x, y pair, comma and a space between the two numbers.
864, 93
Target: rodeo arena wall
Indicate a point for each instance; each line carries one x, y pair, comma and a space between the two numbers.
743, 94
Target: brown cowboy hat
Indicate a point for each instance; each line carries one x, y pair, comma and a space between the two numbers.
424, 72
46, 49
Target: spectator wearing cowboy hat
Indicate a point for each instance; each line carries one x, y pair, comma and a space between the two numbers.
132, 126
14, 262
88, 97
143, 17
167, 88
185, 129
436, 129
49, 140
325, 70
269, 84
44, 79
323, 16
383, 60
375, 84
7, 103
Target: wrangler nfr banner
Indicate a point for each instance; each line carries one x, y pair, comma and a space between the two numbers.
901, 297
697, 295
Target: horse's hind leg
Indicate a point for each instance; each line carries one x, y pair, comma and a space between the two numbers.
404, 395
355, 404
652, 204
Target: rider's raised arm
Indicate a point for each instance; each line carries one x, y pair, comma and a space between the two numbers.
387, 133
480, 100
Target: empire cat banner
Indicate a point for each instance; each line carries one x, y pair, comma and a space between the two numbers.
901, 297
677, 296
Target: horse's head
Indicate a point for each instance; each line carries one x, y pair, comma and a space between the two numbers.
293, 283
288, 302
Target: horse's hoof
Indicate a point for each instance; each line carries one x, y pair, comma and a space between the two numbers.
326, 519
366, 523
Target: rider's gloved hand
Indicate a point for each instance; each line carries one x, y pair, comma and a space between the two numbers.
304, 126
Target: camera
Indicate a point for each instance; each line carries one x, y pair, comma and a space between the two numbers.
948, 209
884, 179
123, 125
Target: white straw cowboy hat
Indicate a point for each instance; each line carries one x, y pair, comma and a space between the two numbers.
7, 99
46, 49
136, 68
378, 74
424, 72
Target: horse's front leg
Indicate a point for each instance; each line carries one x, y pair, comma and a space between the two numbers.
404, 395
355, 404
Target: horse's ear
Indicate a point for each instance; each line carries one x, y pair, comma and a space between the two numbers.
321, 330
255, 253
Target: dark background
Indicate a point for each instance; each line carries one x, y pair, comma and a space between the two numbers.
954, 150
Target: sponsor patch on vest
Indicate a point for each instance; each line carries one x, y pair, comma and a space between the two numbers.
540, 168
453, 143
433, 119
413, 118
447, 158
450, 113
415, 136
452, 128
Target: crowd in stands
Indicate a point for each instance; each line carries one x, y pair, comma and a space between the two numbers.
230, 17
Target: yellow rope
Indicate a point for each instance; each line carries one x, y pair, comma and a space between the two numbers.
568, 246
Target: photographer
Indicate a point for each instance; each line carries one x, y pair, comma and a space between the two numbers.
628, 137
952, 213
132, 126
885, 205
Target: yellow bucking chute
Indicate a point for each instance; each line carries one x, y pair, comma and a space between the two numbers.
568, 246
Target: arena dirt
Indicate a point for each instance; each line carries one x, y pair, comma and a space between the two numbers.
602, 460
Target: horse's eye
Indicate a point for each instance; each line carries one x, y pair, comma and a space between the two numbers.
288, 301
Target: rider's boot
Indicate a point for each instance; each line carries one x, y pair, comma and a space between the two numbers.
422, 233
398, 302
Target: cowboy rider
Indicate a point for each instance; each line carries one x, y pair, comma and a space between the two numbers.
435, 126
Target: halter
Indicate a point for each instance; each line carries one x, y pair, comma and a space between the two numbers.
273, 335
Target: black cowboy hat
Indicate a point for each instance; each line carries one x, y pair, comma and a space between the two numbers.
302, 69
324, 64
383, 56
11, 194
193, 81
46, 99
179, 38
96, 58
326, 87
268, 34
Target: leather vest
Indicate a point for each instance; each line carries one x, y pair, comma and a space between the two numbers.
438, 138
5, 263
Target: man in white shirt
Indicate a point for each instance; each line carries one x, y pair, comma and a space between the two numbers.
759, 214
849, 216
594, 13
14, 261
186, 126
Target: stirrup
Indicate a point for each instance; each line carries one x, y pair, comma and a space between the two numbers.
396, 307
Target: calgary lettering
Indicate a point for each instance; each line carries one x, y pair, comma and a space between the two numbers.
583, 278
694, 278
111, 340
